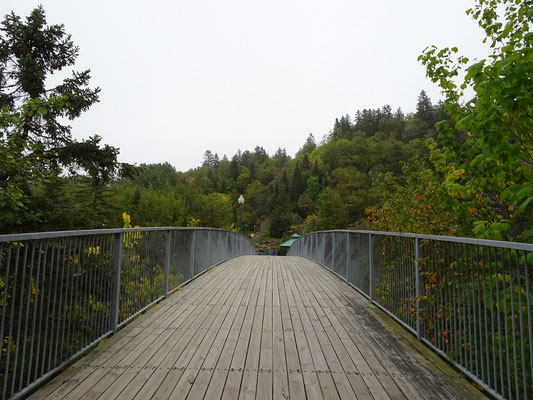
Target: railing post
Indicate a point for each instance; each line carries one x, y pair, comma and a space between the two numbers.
371, 266
166, 266
115, 282
418, 284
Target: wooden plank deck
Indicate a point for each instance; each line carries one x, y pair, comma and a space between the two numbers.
260, 327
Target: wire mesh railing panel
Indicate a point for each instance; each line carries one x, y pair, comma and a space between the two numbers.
338, 264
358, 262
468, 299
201, 256
328, 249
54, 299
181, 258
394, 276
142, 274
477, 311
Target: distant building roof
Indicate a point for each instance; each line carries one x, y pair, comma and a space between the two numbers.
289, 242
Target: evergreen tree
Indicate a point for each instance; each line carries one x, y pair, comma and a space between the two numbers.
30, 52
424, 109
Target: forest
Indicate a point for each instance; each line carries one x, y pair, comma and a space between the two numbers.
460, 166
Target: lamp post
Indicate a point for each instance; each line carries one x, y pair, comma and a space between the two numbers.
240, 200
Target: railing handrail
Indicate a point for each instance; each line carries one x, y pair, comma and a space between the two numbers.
458, 239
86, 232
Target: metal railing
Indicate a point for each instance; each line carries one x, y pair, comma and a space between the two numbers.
63, 292
469, 300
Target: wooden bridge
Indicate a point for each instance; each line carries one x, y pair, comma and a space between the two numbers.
265, 328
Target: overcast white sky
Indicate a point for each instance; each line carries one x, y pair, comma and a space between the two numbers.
180, 77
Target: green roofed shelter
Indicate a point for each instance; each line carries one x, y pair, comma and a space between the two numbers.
289, 242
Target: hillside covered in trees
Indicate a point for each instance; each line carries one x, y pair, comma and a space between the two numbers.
453, 168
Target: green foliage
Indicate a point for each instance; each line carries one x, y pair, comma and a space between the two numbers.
488, 161
31, 50
330, 210
21, 161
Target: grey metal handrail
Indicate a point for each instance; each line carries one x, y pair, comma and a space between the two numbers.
468, 299
63, 292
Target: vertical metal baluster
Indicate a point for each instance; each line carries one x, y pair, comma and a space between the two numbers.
506, 327
19, 325
464, 345
92, 291
76, 260
529, 319
27, 318
453, 272
498, 313
104, 298
347, 257
521, 329
396, 262
98, 285
68, 288
370, 267
392, 261
418, 286
479, 348
513, 328
439, 295
409, 280
35, 306
115, 291
81, 292
471, 311
12, 306
494, 362
167, 263
411, 290
485, 315
133, 273
87, 287
53, 311
137, 272
41, 313
458, 327
447, 298
493, 365
436, 322
106, 293
451, 298
4, 303
49, 310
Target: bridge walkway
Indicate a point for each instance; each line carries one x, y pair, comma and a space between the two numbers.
260, 327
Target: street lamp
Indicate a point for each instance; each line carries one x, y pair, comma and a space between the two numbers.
240, 200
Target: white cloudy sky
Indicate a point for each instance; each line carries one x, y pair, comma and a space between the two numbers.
179, 77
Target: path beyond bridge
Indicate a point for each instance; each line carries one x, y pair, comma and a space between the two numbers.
265, 328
